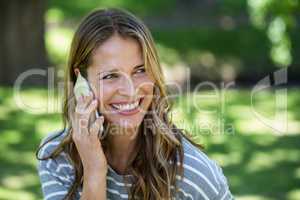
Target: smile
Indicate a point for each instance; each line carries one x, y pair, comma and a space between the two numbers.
127, 108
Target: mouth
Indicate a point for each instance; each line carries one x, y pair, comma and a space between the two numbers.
127, 108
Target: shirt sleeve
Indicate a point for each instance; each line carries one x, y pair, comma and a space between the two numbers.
224, 191
55, 177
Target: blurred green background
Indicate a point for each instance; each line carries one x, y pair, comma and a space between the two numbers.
218, 41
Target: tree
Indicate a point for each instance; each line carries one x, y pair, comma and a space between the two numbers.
22, 45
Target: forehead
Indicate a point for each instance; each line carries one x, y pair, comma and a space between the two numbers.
117, 52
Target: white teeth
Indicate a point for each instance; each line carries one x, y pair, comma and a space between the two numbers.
124, 107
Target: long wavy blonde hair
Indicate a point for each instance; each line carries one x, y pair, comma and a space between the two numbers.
159, 140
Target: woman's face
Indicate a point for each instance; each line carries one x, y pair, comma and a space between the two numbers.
121, 85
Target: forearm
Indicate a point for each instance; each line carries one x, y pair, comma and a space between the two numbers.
94, 188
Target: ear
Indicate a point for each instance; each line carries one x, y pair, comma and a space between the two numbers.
76, 71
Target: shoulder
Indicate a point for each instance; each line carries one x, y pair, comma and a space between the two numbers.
50, 142
61, 164
56, 174
202, 176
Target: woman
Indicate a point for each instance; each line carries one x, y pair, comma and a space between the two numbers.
142, 154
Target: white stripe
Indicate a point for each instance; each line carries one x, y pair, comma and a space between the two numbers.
186, 194
116, 182
55, 194
194, 186
219, 170
195, 158
43, 172
52, 143
200, 174
66, 157
64, 165
209, 166
48, 183
183, 192
225, 194
48, 163
123, 196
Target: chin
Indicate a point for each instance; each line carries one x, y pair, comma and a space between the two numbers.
127, 122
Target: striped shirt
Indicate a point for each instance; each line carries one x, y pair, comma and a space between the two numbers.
202, 178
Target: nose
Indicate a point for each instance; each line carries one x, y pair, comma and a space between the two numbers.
127, 87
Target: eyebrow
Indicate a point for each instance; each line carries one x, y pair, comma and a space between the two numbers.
115, 70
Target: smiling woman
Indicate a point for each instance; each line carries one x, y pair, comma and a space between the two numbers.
124, 88
143, 155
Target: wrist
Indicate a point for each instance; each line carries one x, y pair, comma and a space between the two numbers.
95, 173
94, 179
94, 169
94, 187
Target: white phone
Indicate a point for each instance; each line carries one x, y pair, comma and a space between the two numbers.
82, 88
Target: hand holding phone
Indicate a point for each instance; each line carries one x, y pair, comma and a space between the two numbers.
82, 88
86, 129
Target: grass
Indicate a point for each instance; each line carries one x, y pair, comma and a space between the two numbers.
259, 162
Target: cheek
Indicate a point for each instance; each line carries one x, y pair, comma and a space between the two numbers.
145, 85
148, 90
104, 93
145, 89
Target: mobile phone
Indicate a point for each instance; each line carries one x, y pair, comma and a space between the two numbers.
82, 88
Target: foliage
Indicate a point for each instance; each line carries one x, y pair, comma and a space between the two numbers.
78, 8
277, 18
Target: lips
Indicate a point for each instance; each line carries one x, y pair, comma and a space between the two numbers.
126, 101
126, 106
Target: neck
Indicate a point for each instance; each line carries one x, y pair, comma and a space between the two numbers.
121, 147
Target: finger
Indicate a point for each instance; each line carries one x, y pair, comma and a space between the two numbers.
83, 123
97, 126
80, 105
79, 128
91, 107
85, 116
83, 103
87, 100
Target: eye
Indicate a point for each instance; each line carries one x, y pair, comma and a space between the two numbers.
140, 70
110, 76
